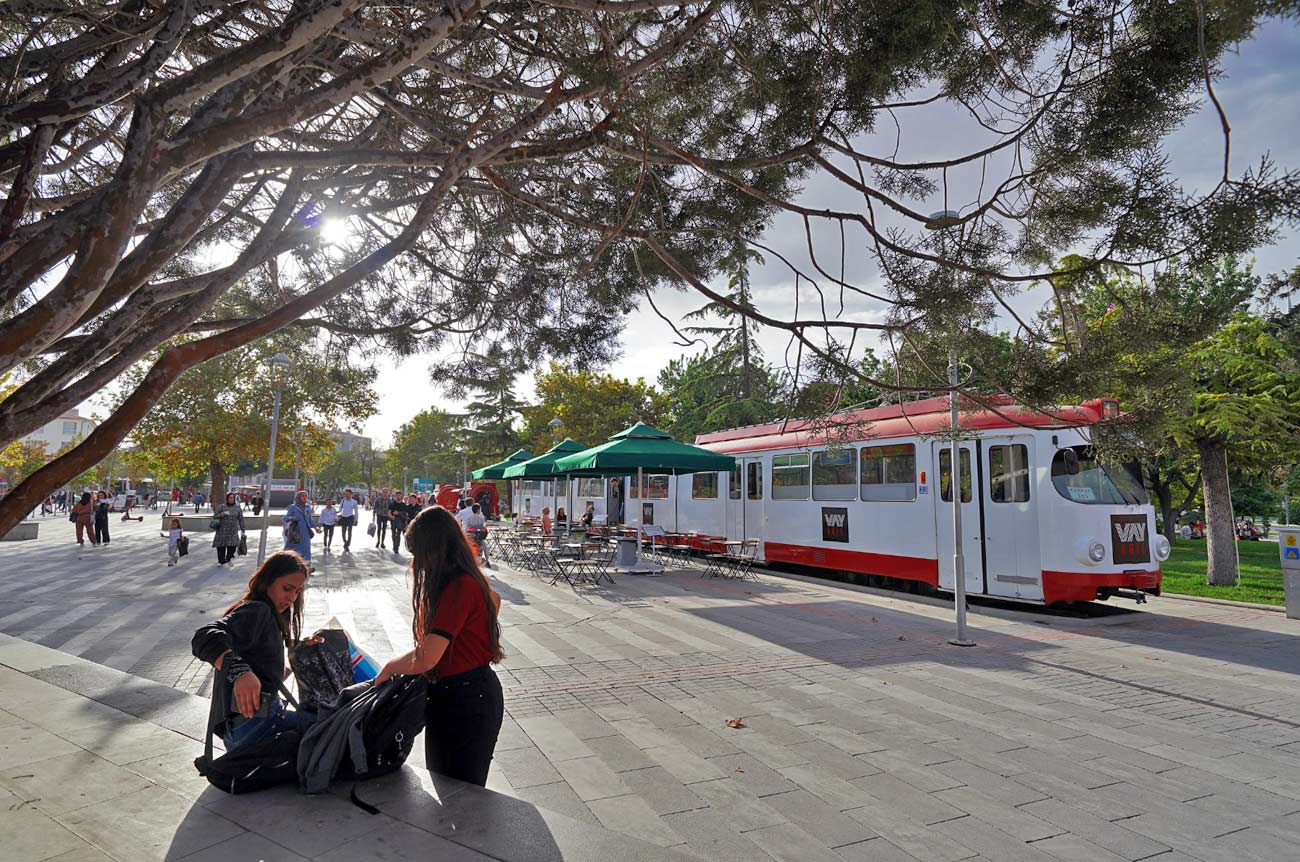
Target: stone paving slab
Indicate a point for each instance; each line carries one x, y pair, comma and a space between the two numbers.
1171, 733
82, 781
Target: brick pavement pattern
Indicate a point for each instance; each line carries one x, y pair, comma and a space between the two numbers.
1172, 733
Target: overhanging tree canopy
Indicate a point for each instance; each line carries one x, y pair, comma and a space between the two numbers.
414, 175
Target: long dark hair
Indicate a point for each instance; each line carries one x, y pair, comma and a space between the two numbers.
85, 497
440, 553
278, 565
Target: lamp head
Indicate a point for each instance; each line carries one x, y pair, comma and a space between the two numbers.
279, 368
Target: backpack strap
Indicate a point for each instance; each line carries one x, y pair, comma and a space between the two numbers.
358, 802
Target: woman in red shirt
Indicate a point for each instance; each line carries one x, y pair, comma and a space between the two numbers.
457, 637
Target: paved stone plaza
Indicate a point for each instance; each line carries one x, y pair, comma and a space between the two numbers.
1172, 733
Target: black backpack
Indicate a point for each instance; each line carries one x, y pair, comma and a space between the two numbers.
250, 767
253, 767
389, 730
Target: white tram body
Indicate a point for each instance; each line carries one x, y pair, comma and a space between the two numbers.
869, 492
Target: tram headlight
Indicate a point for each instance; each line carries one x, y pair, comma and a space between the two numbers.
1161, 548
1096, 552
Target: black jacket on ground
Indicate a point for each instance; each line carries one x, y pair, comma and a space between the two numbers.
253, 633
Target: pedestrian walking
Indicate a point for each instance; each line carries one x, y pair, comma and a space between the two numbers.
83, 516
102, 507
398, 517
457, 638
257, 504
247, 647
228, 521
348, 508
173, 536
329, 516
47, 507
299, 527
382, 502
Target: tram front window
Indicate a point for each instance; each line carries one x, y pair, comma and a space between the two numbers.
1080, 478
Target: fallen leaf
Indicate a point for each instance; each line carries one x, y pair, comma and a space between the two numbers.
735, 722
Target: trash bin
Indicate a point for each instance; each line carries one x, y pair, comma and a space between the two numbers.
1288, 549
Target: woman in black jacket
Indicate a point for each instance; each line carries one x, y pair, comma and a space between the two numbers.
247, 647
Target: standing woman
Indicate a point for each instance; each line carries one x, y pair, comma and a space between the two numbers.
102, 508
457, 636
83, 513
300, 519
229, 518
247, 647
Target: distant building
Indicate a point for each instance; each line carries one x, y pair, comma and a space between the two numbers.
346, 442
69, 427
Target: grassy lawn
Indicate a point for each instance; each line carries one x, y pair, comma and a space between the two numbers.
1261, 574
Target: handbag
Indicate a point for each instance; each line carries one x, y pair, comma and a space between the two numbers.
242, 550
72, 519
183, 545
370, 530
214, 524
293, 532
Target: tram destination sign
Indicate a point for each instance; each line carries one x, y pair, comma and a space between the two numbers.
835, 524
1128, 539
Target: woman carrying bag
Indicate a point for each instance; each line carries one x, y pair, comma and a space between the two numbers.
228, 521
457, 638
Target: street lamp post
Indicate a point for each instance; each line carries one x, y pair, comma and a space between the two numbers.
297, 454
279, 365
941, 221
557, 428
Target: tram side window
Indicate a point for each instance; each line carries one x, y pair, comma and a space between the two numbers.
945, 475
1009, 474
790, 477
754, 480
733, 483
832, 474
889, 473
704, 486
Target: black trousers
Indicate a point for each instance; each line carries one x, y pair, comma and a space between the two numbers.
329, 534
462, 719
345, 529
381, 533
101, 531
398, 527
225, 554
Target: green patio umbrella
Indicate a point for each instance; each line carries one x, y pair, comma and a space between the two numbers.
497, 470
639, 448
543, 467
643, 447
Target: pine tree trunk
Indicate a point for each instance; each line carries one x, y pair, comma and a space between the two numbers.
1220, 533
219, 479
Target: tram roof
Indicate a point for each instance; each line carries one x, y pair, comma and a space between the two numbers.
927, 416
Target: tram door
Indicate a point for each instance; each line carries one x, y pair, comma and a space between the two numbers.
753, 502
736, 502
969, 500
1011, 558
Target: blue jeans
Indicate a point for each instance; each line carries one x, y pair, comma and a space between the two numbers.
260, 728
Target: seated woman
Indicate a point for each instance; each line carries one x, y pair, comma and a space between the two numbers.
457, 636
247, 647
589, 515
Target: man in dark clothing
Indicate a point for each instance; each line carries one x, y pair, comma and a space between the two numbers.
399, 515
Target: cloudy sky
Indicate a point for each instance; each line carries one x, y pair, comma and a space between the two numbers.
1261, 93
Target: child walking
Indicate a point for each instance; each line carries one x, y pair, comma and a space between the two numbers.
173, 537
329, 516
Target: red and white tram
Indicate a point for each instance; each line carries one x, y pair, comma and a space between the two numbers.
870, 492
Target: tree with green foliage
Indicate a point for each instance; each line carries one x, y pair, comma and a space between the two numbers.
219, 413
592, 406
527, 173
488, 426
710, 391
1245, 406
427, 446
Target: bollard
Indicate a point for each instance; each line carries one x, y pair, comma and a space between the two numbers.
1288, 549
